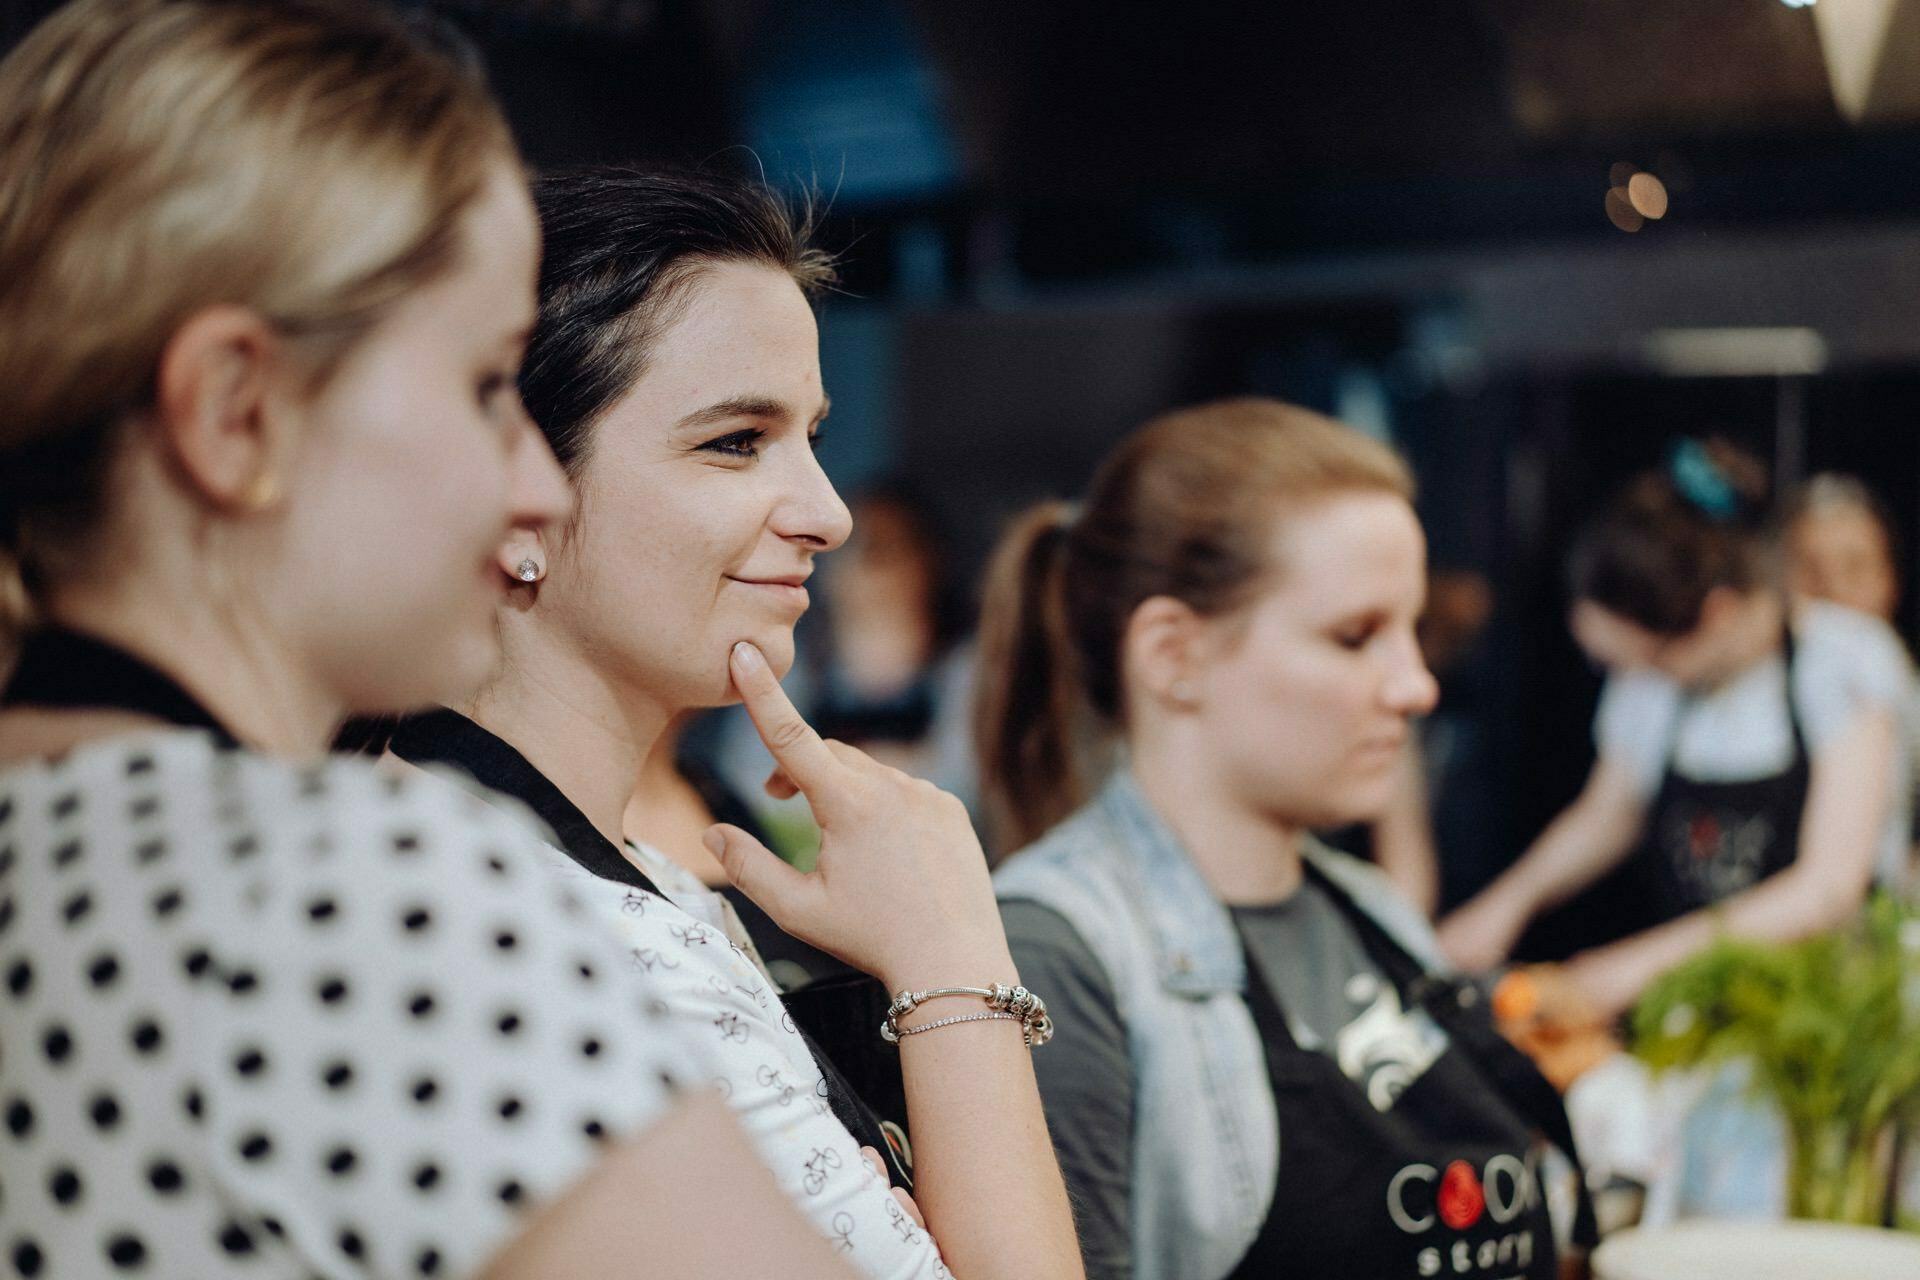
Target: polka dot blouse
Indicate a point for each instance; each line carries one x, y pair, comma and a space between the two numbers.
266, 1020
711, 995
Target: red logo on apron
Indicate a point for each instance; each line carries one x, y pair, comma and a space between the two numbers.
1460, 1199
1703, 836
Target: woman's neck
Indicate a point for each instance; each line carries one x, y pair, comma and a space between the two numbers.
668, 813
572, 725
1246, 857
249, 681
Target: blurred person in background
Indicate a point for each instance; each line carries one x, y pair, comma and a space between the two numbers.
1840, 547
1749, 774
266, 268
674, 368
893, 678
1260, 1069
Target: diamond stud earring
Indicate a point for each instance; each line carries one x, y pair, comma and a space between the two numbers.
527, 570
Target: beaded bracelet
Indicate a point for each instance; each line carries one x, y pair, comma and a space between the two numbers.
1015, 1003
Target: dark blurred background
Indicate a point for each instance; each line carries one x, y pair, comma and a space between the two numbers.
1060, 218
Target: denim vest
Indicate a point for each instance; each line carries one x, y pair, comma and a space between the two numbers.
1206, 1146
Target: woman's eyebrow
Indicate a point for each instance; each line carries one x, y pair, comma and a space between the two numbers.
747, 406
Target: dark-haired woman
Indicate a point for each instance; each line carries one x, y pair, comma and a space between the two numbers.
1748, 748
675, 369
1259, 1071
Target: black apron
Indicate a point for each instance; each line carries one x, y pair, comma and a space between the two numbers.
1445, 1183
836, 1019
1706, 841
64, 670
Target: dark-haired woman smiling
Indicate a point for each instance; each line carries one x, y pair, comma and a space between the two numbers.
675, 368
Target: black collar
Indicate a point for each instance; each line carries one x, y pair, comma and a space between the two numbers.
69, 670
447, 737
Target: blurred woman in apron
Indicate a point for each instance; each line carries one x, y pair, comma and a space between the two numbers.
1259, 1069
1749, 761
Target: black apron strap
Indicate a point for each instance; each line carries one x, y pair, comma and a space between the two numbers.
67, 670
1800, 752
1288, 1065
447, 737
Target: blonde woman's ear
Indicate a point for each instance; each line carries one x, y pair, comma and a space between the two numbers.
212, 393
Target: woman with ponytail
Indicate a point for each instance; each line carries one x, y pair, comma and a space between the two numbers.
1747, 745
1258, 1070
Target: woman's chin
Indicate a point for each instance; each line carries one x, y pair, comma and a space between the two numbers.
778, 650
1346, 807
777, 647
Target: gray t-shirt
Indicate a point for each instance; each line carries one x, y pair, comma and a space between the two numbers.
1336, 1001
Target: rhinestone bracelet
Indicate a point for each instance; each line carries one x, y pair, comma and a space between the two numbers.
1017, 1003
990, 1016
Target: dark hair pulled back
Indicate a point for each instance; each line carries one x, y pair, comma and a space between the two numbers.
621, 247
1673, 535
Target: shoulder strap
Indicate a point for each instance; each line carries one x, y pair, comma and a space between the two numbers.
447, 737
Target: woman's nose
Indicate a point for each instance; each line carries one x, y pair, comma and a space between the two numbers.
812, 511
1411, 689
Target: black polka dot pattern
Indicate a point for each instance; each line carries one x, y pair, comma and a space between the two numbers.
272, 1020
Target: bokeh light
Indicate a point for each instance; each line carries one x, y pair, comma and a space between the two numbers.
1620, 210
1648, 195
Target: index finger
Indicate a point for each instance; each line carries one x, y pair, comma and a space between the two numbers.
799, 751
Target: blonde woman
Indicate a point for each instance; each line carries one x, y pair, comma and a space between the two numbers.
266, 267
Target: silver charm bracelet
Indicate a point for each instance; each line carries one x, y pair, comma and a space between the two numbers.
1015, 1004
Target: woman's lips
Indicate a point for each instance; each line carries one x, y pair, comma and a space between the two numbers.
786, 591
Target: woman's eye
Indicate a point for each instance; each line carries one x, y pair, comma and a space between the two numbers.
1354, 637
737, 444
